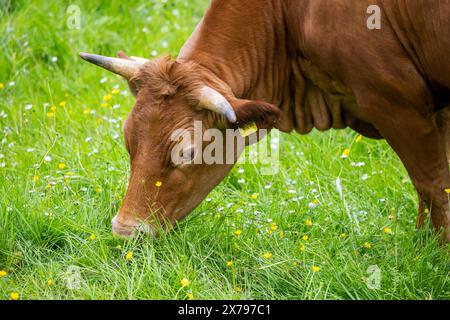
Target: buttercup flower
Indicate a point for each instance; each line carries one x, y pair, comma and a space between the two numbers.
315, 269
308, 222
61, 166
2, 85
447, 190
107, 97
238, 233
92, 237
190, 296
367, 245
14, 296
3, 273
185, 282
267, 255
387, 230
345, 153
62, 103
255, 196
302, 247
50, 282
129, 255
158, 184
358, 138
230, 263
305, 237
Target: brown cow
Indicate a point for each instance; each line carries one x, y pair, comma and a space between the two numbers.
291, 64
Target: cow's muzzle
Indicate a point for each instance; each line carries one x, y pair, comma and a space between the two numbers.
130, 229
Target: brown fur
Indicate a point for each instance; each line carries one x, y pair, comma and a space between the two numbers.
164, 77
300, 64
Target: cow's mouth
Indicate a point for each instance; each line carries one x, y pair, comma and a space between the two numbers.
128, 231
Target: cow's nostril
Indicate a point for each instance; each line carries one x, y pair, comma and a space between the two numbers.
130, 230
123, 230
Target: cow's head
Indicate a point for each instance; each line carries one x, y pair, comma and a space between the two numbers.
170, 97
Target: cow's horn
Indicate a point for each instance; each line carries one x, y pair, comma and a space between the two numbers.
212, 100
124, 67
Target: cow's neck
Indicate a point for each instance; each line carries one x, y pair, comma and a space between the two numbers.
246, 46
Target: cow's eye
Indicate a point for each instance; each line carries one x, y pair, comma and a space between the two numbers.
189, 155
184, 156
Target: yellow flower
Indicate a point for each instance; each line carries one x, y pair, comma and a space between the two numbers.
92, 237
53, 109
273, 227
50, 114
255, 196
129, 256
343, 235
358, 138
315, 268
185, 282
238, 233
238, 289
345, 154
269, 231
190, 296
302, 247
50, 282
230, 263
61, 166
115, 91
2, 85
62, 103
308, 222
367, 245
267, 255
387, 230
36, 178
281, 234
158, 184
315, 202
305, 237
447, 190
3, 273
14, 296
86, 111
107, 97
426, 211
98, 189
104, 105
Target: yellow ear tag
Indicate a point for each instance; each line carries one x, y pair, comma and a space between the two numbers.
248, 129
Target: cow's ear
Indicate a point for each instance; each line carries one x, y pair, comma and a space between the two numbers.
264, 114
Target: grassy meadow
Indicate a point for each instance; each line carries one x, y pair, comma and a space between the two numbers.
64, 169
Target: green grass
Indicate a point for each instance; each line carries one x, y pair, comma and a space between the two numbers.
47, 213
